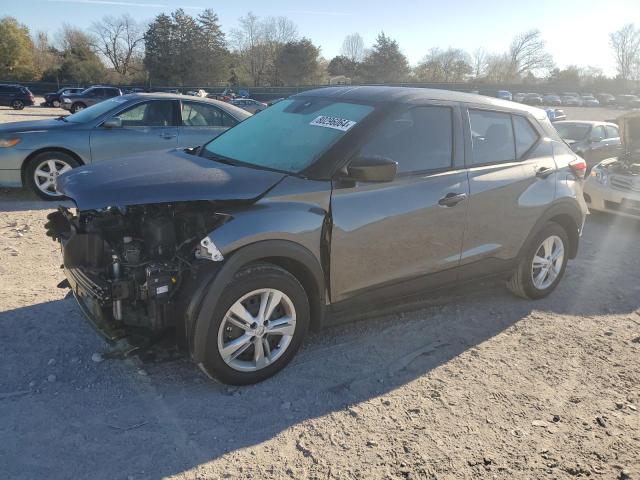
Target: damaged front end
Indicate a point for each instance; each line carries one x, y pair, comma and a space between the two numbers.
127, 265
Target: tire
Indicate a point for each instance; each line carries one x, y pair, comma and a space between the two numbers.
17, 104
76, 107
37, 172
522, 283
55, 104
252, 283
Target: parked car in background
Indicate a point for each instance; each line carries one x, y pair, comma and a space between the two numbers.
270, 228
571, 100
274, 101
503, 94
248, 104
593, 141
626, 101
53, 99
532, 99
614, 184
589, 101
555, 114
605, 99
552, 99
74, 102
518, 97
16, 96
34, 153
198, 93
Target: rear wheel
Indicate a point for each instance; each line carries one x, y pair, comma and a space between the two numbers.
44, 168
257, 326
17, 104
76, 107
543, 265
55, 103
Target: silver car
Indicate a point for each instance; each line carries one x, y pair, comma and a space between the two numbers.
34, 153
614, 184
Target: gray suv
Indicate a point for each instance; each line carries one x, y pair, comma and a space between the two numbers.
74, 102
327, 205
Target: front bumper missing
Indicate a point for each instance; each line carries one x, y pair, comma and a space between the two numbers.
92, 297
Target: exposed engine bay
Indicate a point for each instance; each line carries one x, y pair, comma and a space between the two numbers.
126, 265
626, 164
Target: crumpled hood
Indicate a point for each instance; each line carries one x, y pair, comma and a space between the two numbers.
162, 177
630, 131
33, 126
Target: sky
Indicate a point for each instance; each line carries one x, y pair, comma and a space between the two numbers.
576, 32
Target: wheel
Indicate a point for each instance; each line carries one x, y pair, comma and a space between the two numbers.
76, 107
17, 104
43, 169
542, 266
257, 326
55, 103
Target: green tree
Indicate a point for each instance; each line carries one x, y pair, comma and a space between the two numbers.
297, 62
212, 49
160, 50
79, 61
342, 65
16, 51
386, 63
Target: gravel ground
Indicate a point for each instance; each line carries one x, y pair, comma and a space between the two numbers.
474, 383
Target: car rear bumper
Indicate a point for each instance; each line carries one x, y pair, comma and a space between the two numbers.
604, 198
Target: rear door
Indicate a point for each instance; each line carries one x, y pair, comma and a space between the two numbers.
398, 233
5, 95
146, 126
201, 122
511, 183
612, 139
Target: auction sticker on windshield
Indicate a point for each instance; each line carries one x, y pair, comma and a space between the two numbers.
336, 123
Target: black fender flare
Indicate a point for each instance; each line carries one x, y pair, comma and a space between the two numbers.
559, 212
214, 280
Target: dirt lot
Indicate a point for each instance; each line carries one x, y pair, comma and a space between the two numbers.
472, 384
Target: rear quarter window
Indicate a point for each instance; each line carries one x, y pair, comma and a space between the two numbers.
492, 137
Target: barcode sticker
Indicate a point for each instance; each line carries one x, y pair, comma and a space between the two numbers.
336, 123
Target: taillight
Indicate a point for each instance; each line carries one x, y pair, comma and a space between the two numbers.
578, 167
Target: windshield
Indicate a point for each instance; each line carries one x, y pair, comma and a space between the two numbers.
573, 131
288, 136
97, 110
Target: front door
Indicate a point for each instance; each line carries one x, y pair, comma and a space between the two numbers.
397, 233
145, 126
512, 182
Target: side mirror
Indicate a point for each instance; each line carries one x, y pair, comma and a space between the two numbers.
372, 169
113, 122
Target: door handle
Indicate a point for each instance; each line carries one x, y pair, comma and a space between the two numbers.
452, 199
544, 172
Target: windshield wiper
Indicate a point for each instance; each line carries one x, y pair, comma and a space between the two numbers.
218, 158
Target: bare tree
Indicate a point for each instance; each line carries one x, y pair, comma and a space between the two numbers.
499, 69
626, 47
353, 47
528, 55
120, 40
450, 65
249, 43
479, 62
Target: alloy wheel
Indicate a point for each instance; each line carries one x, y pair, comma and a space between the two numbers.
46, 173
257, 330
547, 262
56, 103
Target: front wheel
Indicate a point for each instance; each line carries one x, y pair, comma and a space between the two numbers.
43, 170
542, 266
55, 104
76, 107
257, 326
17, 104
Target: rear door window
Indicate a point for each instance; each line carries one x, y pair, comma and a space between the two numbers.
526, 135
419, 139
492, 137
612, 132
597, 133
202, 115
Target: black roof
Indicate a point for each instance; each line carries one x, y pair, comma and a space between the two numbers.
384, 94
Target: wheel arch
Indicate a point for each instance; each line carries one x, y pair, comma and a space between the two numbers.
291, 256
33, 154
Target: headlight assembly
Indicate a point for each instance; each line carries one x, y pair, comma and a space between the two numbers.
66, 100
600, 174
9, 142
